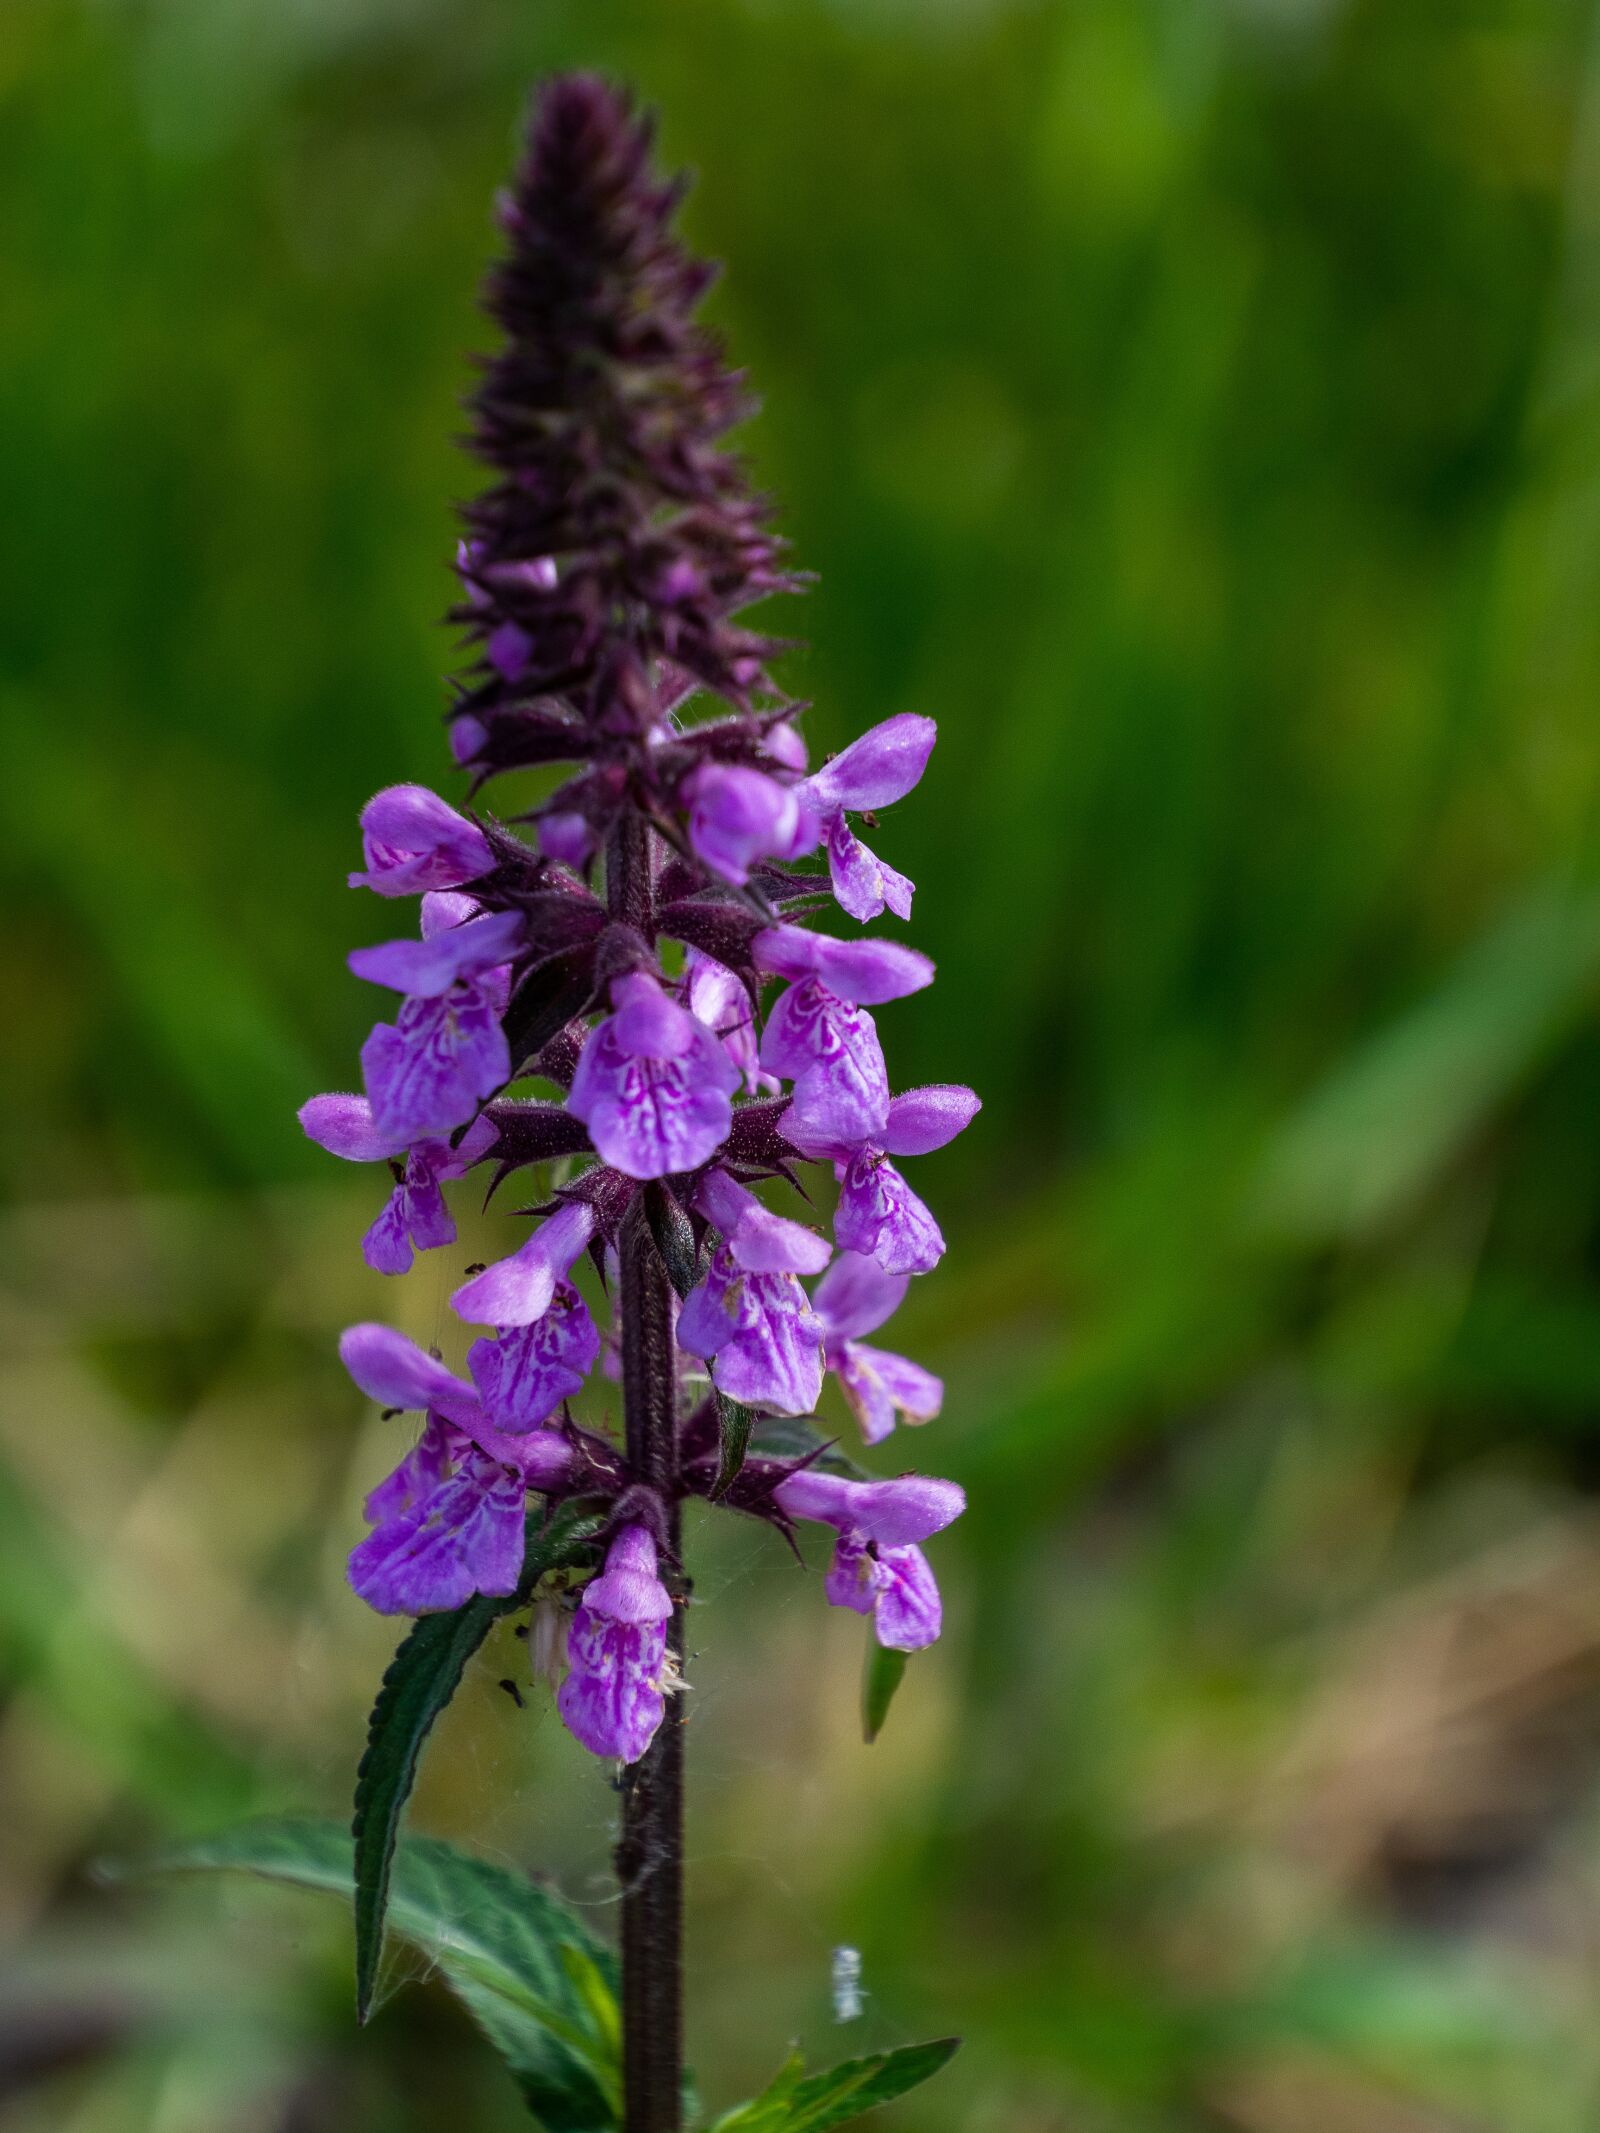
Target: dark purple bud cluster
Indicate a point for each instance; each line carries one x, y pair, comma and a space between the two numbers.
604, 572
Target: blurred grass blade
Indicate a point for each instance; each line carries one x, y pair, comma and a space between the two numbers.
845, 2092
1388, 1122
422, 1677
881, 1674
500, 1942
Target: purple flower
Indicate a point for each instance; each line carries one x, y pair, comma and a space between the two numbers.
878, 1213
509, 650
739, 816
718, 998
818, 1034
519, 1290
878, 1569
525, 1373
427, 1072
448, 1522
415, 1213
399, 1375
856, 1296
614, 1697
414, 841
874, 771
830, 1050
654, 1086
760, 1241
749, 1318
565, 836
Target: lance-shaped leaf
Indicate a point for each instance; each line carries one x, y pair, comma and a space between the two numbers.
735, 1423
422, 1677
881, 1674
509, 1950
843, 2093
673, 1234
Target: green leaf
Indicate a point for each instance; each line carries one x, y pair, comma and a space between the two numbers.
794, 1437
881, 1674
502, 1944
857, 2086
768, 2111
845, 2092
598, 1999
422, 1677
674, 1236
734, 1423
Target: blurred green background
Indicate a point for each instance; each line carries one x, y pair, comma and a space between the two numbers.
1193, 404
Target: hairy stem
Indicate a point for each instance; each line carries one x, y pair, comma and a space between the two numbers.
649, 1854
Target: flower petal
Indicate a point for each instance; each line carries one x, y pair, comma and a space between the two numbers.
879, 768
344, 1125
865, 973
415, 841
423, 969
516, 1291
924, 1119
856, 1296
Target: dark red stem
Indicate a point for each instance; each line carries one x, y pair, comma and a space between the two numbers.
649, 1854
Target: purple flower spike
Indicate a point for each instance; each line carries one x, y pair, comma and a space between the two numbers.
523, 1376
856, 1296
866, 973
415, 841
759, 1334
717, 997
427, 1072
631, 939
416, 1213
873, 772
614, 1697
654, 1086
877, 1567
519, 1290
448, 1523
738, 817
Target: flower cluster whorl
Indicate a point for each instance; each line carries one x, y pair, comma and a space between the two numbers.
602, 574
